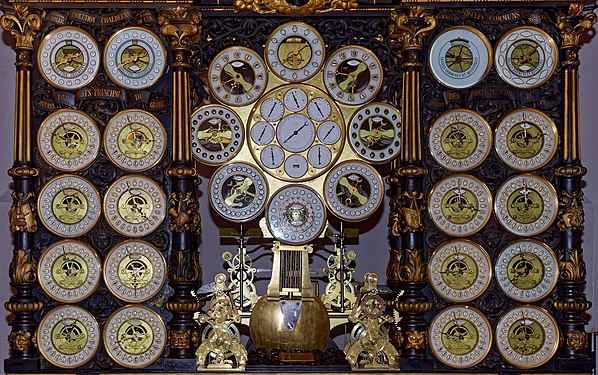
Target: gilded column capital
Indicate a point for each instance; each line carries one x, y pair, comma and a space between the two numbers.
181, 25
22, 24
574, 24
409, 26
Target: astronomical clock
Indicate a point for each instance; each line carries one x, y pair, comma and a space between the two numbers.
371, 186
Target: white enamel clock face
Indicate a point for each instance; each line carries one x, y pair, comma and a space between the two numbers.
460, 140
68, 140
295, 52
237, 76
134, 206
460, 336
68, 58
526, 205
526, 139
134, 336
460, 205
460, 57
216, 134
134, 271
295, 215
68, 206
295, 132
135, 58
238, 192
526, 57
353, 190
134, 140
68, 336
353, 75
375, 132
460, 270
69, 271
527, 336
526, 270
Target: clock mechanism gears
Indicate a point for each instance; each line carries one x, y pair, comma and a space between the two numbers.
217, 134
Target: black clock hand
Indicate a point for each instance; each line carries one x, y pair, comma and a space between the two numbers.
319, 156
272, 155
318, 107
271, 109
295, 132
328, 132
262, 133
295, 99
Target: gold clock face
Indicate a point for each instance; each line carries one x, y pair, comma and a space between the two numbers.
460, 205
134, 336
460, 336
460, 270
295, 51
69, 271
460, 140
237, 76
526, 204
68, 336
134, 206
217, 134
527, 336
527, 270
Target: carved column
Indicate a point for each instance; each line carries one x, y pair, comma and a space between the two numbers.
182, 26
407, 267
571, 301
23, 24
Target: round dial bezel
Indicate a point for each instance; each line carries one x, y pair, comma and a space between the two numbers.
464, 37
310, 36
446, 256
540, 188
547, 57
149, 191
456, 127
116, 141
144, 39
79, 130
53, 43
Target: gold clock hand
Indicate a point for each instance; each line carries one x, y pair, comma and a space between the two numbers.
352, 77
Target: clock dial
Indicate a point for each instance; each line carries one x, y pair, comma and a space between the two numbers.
295, 52
460, 140
68, 336
68, 58
353, 75
295, 215
135, 58
69, 271
460, 205
526, 57
134, 271
526, 205
68, 140
375, 132
306, 139
237, 76
353, 190
460, 336
526, 139
68, 206
134, 140
134, 206
460, 270
217, 134
134, 336
238, 192
527, 336
460, 57
526, 270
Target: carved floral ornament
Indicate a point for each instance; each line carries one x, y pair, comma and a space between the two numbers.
408, 27
290, 7
182, 25
22, 24
574, 24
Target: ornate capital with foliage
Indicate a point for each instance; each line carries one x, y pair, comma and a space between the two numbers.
574, 24
22, 24
409, 26
571, 214
184, 213
572, 267
181, 25
294, 6
23, 268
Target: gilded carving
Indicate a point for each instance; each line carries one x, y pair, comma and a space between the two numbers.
181, 25
412, 171
180, 339
22, 25
181, 172
415, 340
184, 267
22, 172
392, 268
23, 267
283, 7
572, 266
571, 171
412, 267
572, 32
410, 29
19, 340
571, 215
577, 340
184, 213
22, 213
